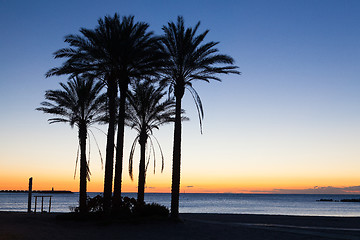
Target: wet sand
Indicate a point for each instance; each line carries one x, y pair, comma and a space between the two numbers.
19, 226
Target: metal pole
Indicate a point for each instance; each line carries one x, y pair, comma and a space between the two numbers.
30, 192
42, 204
35, 203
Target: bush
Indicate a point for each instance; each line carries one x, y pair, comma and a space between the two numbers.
151, 209
129, 208
94, 204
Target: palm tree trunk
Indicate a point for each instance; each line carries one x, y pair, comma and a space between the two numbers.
83, 167
109, 164
119, 150
175, 187
141, 183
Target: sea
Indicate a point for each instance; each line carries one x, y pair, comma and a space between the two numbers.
275, 204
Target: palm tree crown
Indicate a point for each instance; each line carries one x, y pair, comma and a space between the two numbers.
80, 101
145, 110
95, 51
190, 59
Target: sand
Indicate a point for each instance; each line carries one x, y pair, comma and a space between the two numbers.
18, 226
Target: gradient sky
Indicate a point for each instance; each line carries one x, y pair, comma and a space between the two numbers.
289, 124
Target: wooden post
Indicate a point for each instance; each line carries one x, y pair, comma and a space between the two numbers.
42, 204
30, 192
35, 203
49, 204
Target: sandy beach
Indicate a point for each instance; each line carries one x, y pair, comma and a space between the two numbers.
18, 226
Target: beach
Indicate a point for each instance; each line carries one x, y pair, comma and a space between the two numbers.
18, 226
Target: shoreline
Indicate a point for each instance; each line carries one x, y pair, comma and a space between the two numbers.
21, 225
265, 215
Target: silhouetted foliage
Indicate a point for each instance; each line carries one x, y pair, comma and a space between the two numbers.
189, 59
129, 208
94, 53
117, 51
151, 209
79, 103
120, 52
138, 57
145, 112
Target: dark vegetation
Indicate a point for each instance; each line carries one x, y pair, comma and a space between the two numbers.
130, 210
118, 74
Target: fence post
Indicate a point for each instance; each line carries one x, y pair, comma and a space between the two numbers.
42, 204
30, 192
35, 203
49, 204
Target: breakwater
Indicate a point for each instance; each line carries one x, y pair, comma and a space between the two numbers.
36, 191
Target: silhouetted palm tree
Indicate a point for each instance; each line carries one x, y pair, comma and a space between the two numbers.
189, 59
138, 57
95, 52
116, 52
79, 103
146, 112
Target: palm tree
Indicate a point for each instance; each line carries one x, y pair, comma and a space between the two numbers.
189, 59
95, 53
138, 57
116, 52
79, 103
146, 112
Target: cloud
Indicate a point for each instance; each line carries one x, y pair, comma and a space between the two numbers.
320, 190
189, 186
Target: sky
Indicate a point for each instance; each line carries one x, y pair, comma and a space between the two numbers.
290, 123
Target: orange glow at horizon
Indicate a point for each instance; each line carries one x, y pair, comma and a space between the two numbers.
188, 184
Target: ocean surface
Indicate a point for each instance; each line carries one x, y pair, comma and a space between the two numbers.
279, 204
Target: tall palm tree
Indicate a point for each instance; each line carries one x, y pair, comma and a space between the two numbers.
138, 57
116, 51
79, 103
146, 112
190, 59
95, 53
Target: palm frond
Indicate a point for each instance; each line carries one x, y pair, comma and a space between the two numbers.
131, 157
148, 158
198, 104
98, 148
161, 152
76, 160
88, 172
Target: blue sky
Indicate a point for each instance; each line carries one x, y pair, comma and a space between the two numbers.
293, 116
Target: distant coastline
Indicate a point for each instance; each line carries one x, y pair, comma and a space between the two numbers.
36, 191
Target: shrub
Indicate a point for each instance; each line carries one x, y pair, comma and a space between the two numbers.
151, 209
129, 207
94, 204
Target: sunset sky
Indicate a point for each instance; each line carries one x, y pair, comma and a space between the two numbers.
290, 123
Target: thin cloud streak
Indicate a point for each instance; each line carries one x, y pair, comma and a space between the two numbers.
316, 190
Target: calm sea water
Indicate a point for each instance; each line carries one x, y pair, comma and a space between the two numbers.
283, 204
